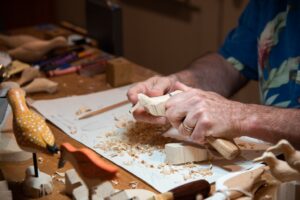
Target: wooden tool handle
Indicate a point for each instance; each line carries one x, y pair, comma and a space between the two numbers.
190, 190
225, 147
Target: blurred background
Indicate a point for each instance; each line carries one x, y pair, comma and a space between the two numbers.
162, 35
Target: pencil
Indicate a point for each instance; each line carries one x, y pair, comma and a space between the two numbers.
102, 110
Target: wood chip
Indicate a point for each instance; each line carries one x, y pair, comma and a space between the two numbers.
133, 184
82, 110
61, 180
115, 182
61, 174
41, 160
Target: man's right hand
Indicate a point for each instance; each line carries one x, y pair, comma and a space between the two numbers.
155, 86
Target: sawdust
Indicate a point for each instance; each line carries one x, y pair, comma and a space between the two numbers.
139, 138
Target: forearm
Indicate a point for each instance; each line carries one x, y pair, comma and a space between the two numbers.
271, 124
212, 73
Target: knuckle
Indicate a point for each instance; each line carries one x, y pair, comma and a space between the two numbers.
206, 123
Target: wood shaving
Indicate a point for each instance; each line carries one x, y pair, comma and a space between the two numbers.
82, 110
140, 139
41, 159
128, 162
61, 174
61, 180
73, 131
114, 182
187, 176
133, 184
206, 172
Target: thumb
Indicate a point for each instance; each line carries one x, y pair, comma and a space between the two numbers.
181, 86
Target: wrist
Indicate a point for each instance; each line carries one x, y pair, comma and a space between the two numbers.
244, 119
251, 121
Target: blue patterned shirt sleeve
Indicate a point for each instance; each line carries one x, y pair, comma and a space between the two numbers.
240, 45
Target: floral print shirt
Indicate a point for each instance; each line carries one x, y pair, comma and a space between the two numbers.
265, 46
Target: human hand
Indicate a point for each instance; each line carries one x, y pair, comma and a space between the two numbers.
198, 114
155, 86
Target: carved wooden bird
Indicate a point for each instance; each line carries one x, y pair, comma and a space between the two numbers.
279, 169
30, 129
290, 154
90, 167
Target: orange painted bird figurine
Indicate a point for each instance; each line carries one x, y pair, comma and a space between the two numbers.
30, 129
90, 166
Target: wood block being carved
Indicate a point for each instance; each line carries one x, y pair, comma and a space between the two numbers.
154, 105
118, 72
178, 153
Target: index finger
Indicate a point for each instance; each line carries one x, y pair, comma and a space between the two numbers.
134, 91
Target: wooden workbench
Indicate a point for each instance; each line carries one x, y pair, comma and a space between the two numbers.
71, 84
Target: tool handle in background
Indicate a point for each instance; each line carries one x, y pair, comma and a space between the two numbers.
228, 149
188, 191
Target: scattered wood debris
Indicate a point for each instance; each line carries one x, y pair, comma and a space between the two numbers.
82, 110
140, 139
133, 184
114, 182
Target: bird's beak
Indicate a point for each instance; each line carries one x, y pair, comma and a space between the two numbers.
272, 148
259, 159
61, 162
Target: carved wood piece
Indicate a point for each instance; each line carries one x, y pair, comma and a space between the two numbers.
9, 149
179, 153
76, 187
288, 191
14, 41
156, 106
5, 193
30, 129
244, 181
36, 50
290, 154
278, 168
41, 85
90, 166
28, 75
36, 187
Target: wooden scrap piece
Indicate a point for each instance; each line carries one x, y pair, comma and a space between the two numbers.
179, 153
76, 187
288, 191
121, 195
118, 72
28, 75
5, 193
41, 85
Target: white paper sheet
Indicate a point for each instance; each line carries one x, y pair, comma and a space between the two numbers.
91, 131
